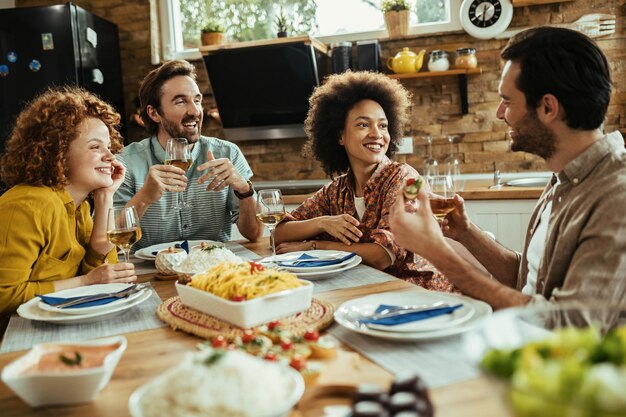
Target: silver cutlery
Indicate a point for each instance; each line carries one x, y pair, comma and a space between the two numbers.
405, 309
88, 298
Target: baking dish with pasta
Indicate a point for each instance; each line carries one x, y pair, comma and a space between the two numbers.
246, 299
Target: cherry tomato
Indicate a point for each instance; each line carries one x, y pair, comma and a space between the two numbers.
312, 335
248, 336
297, 362
270, 356
273, 324
255, 266
238, 298
219, 342
286, 344
410, 181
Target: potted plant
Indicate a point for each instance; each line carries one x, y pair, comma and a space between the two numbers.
213, 33
281, 24
397, 14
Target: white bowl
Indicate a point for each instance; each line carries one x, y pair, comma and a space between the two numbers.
249, 313
68, 387
138, 399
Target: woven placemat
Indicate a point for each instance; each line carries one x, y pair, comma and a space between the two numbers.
180, 317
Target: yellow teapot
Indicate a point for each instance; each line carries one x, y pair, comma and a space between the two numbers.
406, 61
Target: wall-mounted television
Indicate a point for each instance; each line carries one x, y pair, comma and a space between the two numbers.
262, 91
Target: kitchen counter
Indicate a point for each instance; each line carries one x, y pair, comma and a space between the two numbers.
296, 191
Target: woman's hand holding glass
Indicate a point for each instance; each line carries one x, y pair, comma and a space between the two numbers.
270, 210
123, 228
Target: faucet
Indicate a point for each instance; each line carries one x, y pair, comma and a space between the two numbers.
497, 178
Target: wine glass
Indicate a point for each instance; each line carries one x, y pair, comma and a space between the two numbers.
452, 163
123, 228
177, 153
270, 210
431, 166
442, 196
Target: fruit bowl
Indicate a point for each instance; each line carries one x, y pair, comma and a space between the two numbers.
556, 361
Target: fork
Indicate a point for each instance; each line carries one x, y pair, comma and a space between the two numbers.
594, 25
404, 309
88, 298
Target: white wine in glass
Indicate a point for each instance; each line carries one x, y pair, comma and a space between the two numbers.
178, 154
123, 228
270, 210
442, 196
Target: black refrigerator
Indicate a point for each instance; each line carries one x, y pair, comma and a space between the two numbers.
56, 45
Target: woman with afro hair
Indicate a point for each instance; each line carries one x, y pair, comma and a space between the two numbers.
354, 124
59, 153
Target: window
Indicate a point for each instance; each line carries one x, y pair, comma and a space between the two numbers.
327, 20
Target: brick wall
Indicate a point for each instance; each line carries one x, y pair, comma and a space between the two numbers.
481, 138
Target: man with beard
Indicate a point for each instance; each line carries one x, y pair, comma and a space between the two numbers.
555, 90
217, 184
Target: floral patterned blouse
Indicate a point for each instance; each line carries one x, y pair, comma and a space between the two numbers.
379, 194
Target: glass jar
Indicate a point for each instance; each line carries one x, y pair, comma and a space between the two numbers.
438, 61
466, 58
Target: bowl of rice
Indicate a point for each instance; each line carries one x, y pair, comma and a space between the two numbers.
218, 383
203, 257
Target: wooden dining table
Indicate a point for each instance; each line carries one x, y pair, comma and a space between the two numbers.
152, 352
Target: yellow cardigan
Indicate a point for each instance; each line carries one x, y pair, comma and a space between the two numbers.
43, 238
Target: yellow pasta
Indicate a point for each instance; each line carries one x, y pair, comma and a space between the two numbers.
243, 281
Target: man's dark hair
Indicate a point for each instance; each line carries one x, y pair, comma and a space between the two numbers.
329, 106
566, 64
150, 88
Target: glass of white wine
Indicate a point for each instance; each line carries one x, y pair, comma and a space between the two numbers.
123, 228
177, 153
442, 196
270, 210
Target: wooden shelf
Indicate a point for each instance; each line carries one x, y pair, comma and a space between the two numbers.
205, 49
520, 3
461, 73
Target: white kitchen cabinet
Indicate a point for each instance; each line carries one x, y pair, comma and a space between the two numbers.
506, 219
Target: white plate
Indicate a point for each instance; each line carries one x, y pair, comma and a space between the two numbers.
89, 290
146, 253
346, 315
315, 275
31, 311
293, 256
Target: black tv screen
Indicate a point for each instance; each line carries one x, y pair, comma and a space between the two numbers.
262, 92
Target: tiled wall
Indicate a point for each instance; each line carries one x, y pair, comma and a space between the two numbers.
436, 110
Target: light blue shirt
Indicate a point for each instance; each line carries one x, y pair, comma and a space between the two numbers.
211, 214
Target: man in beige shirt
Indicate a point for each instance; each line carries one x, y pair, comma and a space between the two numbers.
555, 90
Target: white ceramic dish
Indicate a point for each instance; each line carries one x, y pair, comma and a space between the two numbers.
293, 256
47, 388
250, 313
348, 313
30, 310
147, 253
89, 290
136, 400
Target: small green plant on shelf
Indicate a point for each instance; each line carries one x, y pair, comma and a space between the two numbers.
213, 27
281, 24
394, 5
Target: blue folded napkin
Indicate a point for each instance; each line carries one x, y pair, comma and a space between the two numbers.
184, 245
311, 262
53, 301
409, 317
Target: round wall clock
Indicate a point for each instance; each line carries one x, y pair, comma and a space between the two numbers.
485, 19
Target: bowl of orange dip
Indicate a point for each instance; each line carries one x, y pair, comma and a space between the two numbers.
58, 373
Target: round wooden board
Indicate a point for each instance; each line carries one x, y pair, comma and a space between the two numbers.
180, 317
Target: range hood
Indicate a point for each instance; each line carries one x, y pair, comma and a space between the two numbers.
262, 88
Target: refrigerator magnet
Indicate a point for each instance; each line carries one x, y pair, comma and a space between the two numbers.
11, 56
47, 42
92, 37
4, 70
34, 65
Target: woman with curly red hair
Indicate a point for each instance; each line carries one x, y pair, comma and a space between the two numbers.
354, 124
59, 152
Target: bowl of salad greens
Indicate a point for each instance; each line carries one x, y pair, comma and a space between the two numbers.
556, 360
